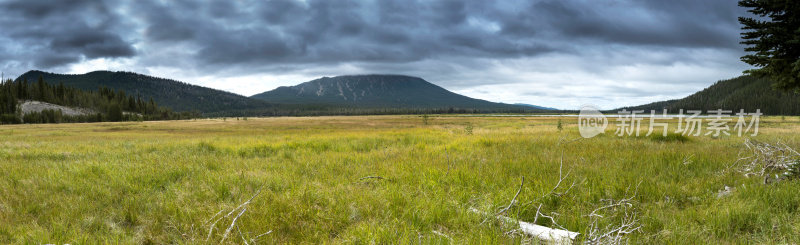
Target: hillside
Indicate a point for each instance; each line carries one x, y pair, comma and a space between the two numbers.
40, 102
32, 106
178, 96
745, 92
374, 91
537, 107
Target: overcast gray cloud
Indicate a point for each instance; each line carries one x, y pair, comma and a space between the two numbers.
555, 53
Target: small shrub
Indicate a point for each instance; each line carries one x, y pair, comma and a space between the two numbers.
468, 129
560, 126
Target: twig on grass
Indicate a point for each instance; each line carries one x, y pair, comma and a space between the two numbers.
442, 235
233, 223
611, 234
510, 204
449, 162
371, 177
242, 235
767, 160
513, 200
259, 236
242, 207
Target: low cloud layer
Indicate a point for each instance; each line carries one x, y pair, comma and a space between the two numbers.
553, 53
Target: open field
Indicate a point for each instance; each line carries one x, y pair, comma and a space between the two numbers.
168, 182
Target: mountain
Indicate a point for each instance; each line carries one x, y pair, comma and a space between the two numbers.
178, 96
537, 107
744, 92
344, 95
375, 91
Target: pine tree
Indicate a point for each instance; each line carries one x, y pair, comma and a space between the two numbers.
774, 38
114, 112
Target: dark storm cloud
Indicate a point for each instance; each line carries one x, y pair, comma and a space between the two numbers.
661, 23
54, 33
265, 32
316, 31
460, 44
320, 31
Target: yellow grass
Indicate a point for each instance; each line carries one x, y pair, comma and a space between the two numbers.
163, 182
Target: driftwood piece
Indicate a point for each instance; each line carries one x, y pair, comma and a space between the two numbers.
547, 234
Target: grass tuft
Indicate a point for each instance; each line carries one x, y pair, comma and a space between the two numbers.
671, 137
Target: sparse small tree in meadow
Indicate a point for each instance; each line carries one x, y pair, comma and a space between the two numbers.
425, 119
560, 126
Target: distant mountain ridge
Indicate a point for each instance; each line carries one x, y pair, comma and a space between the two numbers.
744, 92
537, 107
177, 95
341, 95
377, 91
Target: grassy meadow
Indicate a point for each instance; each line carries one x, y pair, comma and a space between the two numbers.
178, 181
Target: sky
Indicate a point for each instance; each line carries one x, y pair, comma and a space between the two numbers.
555, 53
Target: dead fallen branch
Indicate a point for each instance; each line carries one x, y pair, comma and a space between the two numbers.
442, 235
371, 177
255, 239
614, 233
513, 200
543, 233
774, 162
233, 223
242, 208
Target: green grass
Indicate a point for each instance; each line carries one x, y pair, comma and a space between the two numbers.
161, 182
670, 137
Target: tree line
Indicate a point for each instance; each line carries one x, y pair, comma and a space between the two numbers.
105, 105
278, 110
748, 92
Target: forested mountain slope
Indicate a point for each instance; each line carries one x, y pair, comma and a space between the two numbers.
745, 92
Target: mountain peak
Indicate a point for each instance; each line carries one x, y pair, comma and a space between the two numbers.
375, 90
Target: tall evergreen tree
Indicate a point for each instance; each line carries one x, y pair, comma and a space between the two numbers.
774, 37
114, 112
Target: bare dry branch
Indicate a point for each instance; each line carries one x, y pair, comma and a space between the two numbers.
259, 236
442, 235
513, 200
766, 160
233, 223
613, 234
242, 235
371, 177
242, 207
